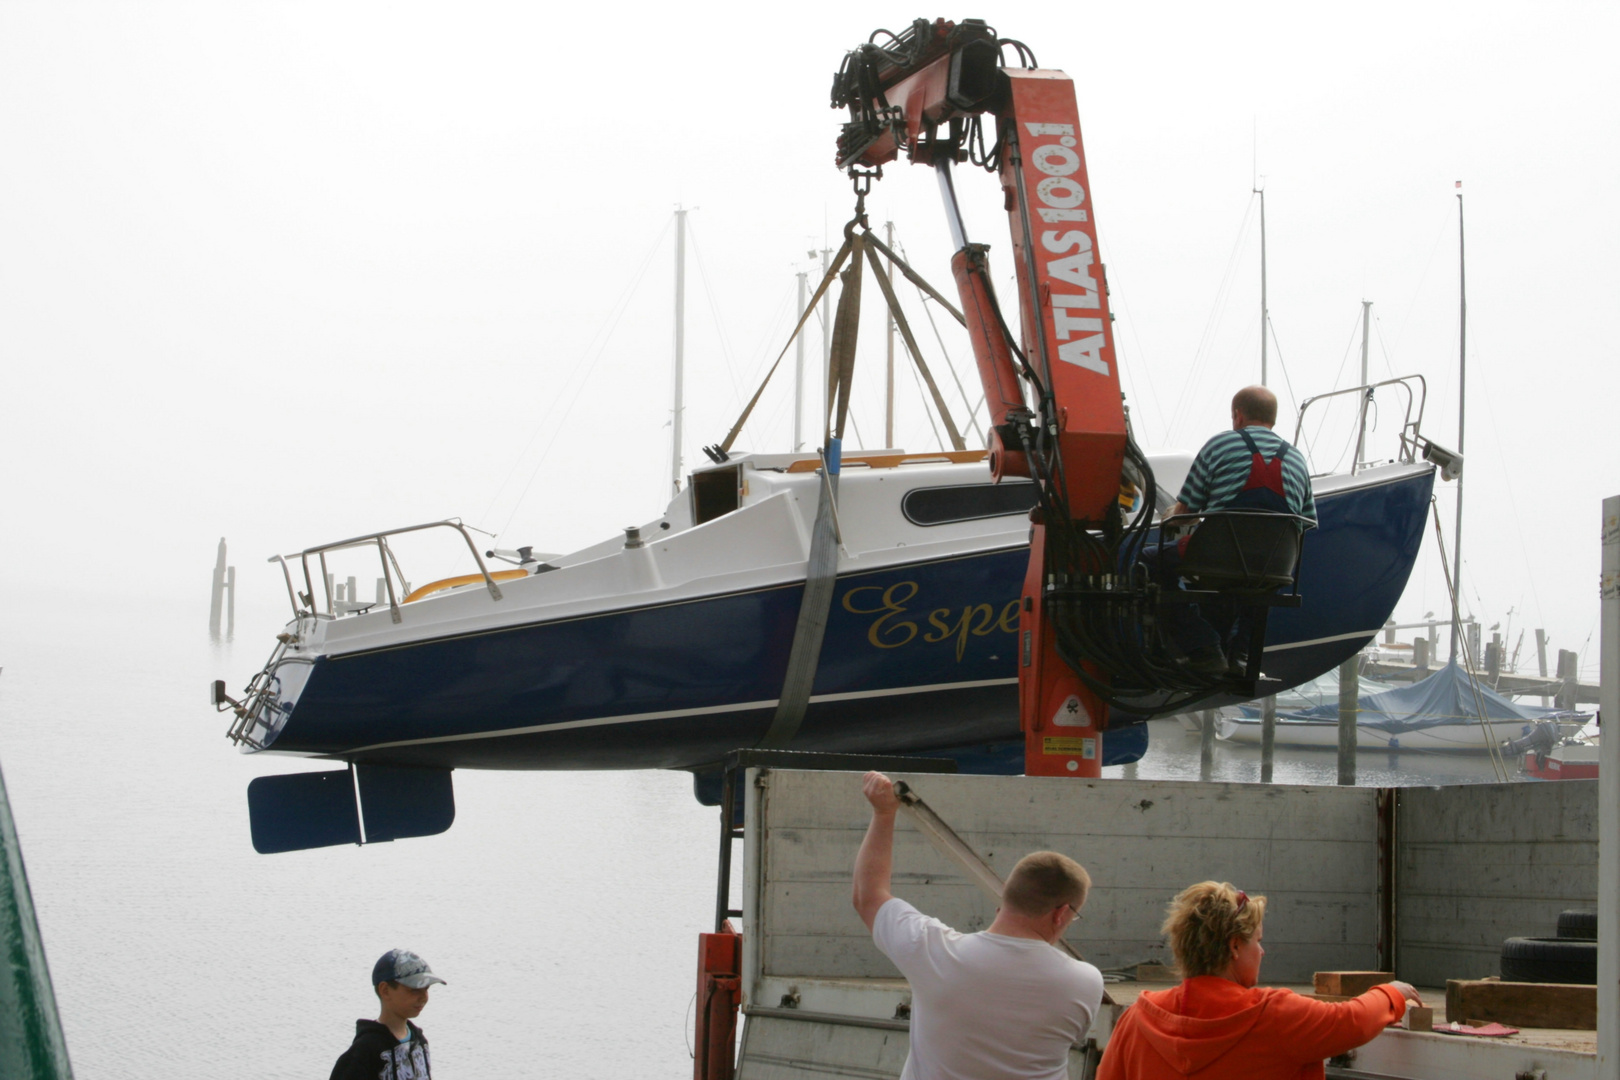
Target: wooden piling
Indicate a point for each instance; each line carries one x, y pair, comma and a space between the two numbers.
1206, 746
1349, 686
1268, 736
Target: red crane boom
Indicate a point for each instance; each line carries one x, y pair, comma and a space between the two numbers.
925, 92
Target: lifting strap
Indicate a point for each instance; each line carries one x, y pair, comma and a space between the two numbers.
915, 278
820, 580
804, 317
868, 239
821, 572
846, 329
911, 347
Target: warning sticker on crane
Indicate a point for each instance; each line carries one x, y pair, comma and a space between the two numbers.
1070, 746
1071, 713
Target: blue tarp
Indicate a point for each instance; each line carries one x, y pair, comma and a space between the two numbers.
1322, 690
1446, 697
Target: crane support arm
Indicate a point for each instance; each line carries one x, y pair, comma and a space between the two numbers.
931, 92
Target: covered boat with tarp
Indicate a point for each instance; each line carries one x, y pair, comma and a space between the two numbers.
1448, 710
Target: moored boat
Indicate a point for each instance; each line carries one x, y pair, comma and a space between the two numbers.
1449, 710
1567, 761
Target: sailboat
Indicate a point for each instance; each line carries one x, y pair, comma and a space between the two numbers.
667, 646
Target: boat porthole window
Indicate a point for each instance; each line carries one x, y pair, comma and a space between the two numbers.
967, 502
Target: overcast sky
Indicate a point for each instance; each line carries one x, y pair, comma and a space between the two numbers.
286, 273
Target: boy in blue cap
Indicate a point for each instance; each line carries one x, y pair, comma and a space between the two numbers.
391, 1047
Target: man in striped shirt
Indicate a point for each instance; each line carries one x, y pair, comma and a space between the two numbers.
1248, 468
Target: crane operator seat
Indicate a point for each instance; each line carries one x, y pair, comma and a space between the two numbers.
1243, 551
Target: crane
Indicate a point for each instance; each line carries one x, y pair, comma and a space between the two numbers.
1089, 654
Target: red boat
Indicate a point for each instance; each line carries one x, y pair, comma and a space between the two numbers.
1566, 761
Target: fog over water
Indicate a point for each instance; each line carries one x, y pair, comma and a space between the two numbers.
288, 273
563, 908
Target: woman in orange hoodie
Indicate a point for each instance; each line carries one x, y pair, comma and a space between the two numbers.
1217, 1025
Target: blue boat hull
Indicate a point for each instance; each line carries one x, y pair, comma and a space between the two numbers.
916, 658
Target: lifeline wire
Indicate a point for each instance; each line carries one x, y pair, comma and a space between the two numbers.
598, 342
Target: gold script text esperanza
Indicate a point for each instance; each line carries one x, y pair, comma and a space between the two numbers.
891, 629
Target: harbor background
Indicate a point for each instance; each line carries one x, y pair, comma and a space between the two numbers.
295, 272
563, 908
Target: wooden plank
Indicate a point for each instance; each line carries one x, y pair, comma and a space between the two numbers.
1531, 1005
1349, 983
1418, 1018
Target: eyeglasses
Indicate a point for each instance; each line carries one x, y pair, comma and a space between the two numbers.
1074, 909
1242, 900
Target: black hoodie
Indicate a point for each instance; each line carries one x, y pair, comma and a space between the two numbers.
376, 1054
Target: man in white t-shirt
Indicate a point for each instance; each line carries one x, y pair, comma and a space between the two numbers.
1002, 1004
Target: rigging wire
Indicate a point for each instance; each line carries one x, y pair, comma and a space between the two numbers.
1216, 315
1383, 346
1350, 446
714, 315
927, 412
928, 311
1469, 665
1288, 383
1439, 234
594, 348
783, 405
1507, 479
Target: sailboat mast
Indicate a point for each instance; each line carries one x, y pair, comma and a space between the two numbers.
1462, 415
888, 401
1361, 423
680, 345
1268, 705
1265, 316
798, 375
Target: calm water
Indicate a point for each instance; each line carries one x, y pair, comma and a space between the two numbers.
562, 908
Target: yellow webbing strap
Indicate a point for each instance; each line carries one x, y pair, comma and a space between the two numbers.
911, 346
846, 329
916, 278
804, 317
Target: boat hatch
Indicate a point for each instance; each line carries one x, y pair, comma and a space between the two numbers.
967, 502
716, 493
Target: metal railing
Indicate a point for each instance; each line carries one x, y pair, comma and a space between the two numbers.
1410, 427
260, 706
304, 603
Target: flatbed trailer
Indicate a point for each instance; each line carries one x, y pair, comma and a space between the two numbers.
1424, 882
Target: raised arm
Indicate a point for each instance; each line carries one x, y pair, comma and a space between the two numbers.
875, 861
1322, 1029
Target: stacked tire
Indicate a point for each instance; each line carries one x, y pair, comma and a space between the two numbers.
1571, 957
